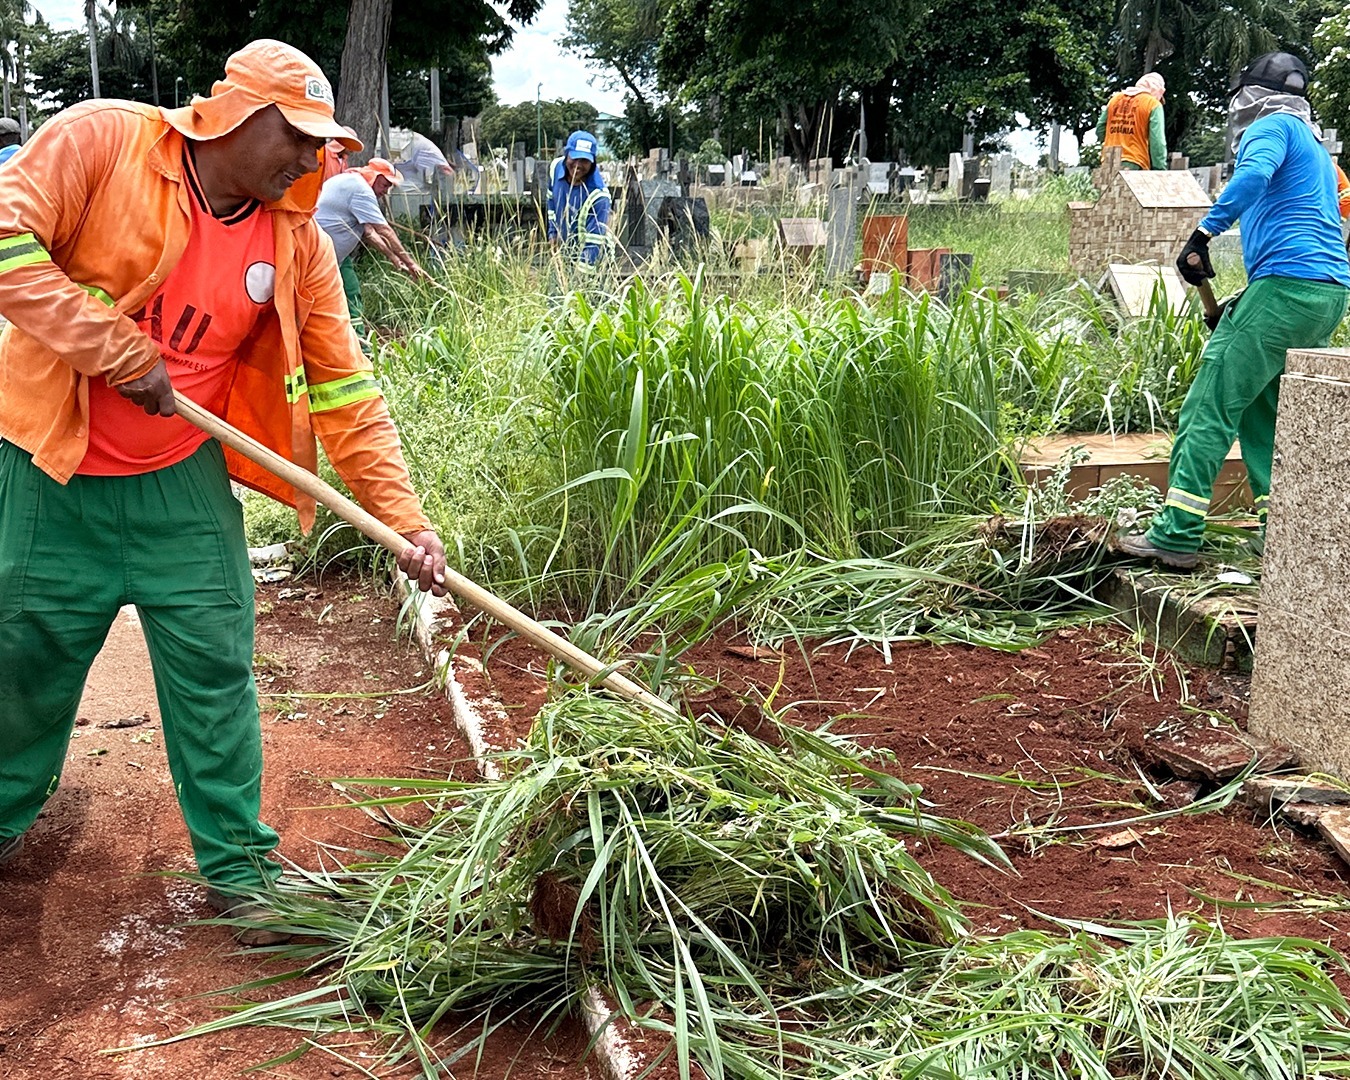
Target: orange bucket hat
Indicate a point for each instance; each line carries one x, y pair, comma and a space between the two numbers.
378, 166
263, 73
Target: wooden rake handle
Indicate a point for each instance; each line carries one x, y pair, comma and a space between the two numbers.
304, 480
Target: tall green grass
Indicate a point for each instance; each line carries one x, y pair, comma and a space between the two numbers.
642, 454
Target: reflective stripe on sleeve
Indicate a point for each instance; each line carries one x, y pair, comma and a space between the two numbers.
1184, 500
296, 386
99, 294
22, 250
340, 392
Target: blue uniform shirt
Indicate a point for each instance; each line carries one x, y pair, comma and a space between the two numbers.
568, 204
8, 152
1284, 190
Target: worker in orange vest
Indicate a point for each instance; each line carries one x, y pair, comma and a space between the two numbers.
142, 251
1343, 192
1133, 120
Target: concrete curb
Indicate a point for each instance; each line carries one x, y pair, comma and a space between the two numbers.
613, 1051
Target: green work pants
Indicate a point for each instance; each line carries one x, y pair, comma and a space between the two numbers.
170, 542
1235, 394
351, 286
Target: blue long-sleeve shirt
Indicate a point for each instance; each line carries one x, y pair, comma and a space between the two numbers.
1284, 190
579, 214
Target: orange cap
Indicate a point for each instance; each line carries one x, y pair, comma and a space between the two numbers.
262, 73
378, 166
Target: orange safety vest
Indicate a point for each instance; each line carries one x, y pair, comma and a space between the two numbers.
1127, 118
94, 214
1343, 191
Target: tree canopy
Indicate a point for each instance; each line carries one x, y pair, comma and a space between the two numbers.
919, 76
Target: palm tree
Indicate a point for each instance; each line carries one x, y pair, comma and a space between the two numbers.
91, 22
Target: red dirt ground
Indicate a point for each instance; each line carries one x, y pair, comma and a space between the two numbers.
1078, 705
93, 951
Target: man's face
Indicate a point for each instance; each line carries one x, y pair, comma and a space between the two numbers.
269, 155
381, 186
578, 169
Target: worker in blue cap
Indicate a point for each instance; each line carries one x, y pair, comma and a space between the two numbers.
578, 202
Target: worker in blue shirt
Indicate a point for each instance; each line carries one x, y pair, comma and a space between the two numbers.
1284, 190
578, 202
10, 140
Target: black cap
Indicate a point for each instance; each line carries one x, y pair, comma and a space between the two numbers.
1282, 72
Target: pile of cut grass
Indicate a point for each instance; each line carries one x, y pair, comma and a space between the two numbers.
767, 907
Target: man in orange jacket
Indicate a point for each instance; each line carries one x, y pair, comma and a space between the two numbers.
144, 250
1133, 120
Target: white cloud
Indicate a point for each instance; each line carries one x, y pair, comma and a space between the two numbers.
62, 14
535, 57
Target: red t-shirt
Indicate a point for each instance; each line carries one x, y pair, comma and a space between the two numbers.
199, 316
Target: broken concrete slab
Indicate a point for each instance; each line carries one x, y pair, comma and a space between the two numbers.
1270, 793
1217, 631
1334, 827
1214, 755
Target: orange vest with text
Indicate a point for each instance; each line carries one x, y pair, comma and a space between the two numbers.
1127, 126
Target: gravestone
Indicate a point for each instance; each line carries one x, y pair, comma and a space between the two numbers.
654, 196
1301, 679
818, 172
1178, 162
843, 223
717, 175
970, 171
956, 167
781, 170
879, 178
683, 221
1000, 176
954, 269
1330, 141
1134, 285
634, 215
801, 237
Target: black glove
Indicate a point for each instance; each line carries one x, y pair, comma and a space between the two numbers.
1212, 321
1193, 262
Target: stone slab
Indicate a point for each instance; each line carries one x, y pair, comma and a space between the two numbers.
1158, 189
802, 234
1136, 454
1213, 754
1334, 826
1301, 681
1210, 631
1134, 286
1270, 793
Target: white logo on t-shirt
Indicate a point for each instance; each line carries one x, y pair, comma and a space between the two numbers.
260, 282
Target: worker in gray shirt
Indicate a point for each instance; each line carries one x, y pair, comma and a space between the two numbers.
349, 212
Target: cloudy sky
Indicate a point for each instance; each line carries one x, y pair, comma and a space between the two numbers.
534, 57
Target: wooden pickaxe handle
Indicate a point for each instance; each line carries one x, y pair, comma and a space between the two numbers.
1207, 300
304, 480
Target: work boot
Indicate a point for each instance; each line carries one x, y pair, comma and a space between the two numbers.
1137, 544
10, 848
250, 911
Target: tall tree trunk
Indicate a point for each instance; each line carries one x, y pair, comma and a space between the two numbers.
362, 78
154, 65
877, 117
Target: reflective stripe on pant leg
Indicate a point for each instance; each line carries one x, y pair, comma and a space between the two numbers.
1186, 502
192, 586
1242, 363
